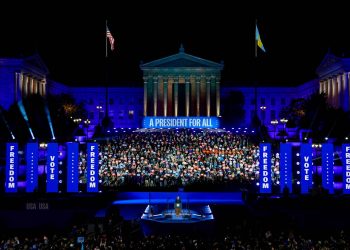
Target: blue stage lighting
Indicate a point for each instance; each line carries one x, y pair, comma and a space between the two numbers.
25, 117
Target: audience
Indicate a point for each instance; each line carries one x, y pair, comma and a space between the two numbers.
172, 158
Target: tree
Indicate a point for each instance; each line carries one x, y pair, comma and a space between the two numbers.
37, 113
317, 115
64, 112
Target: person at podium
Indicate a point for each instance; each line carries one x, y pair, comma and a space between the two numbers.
178, 206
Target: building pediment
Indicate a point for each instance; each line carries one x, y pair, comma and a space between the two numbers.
330, 65
181, 60
36, 64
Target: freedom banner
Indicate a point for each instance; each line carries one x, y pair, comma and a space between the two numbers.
265, 168
11, 167
92, 167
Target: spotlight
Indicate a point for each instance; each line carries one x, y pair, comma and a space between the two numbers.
25, 117
50, 122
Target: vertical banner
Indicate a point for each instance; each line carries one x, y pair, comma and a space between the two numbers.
32, 167
286, 166
92, 167
346, 168
52, 168
72, 166
11, 167
306, 167
265, 168
327, 167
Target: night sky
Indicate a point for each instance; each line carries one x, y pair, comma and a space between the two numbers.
71, 41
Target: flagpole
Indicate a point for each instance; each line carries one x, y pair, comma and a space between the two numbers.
254, 73
106, 40
256, 41
106, 119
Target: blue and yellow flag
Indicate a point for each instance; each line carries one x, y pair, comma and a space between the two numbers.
258, 39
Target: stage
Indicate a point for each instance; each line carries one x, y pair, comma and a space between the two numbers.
159, 219
198, 214
133, 204
207, 198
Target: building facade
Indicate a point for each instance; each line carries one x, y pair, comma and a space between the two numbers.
333, 74
181, 85
20, 77
177, 85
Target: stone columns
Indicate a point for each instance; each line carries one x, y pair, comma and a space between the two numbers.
340, 96
329, 91
145, 96
207, 92
321, 88
217, 81
334, 92
187, 90
25, 86
165, 96
44, 87
346, 105
198, 82
176, 96
155, 95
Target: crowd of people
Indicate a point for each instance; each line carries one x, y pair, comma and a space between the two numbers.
173, 158
126, 235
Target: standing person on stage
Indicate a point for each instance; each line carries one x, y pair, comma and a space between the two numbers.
178, 206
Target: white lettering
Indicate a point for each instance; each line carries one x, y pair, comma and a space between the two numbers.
306, 168
11, 170
52, 165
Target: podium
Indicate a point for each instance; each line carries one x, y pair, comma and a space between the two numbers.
178, 206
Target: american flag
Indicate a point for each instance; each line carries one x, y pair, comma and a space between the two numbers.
110, 38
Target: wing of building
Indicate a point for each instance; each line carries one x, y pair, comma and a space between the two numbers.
179, 85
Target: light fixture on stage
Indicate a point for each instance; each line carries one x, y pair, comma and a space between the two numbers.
25, 117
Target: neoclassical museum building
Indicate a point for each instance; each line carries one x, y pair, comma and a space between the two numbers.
179, 85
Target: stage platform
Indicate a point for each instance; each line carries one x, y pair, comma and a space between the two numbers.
132, 205
206, 198
200, 214
159, 219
